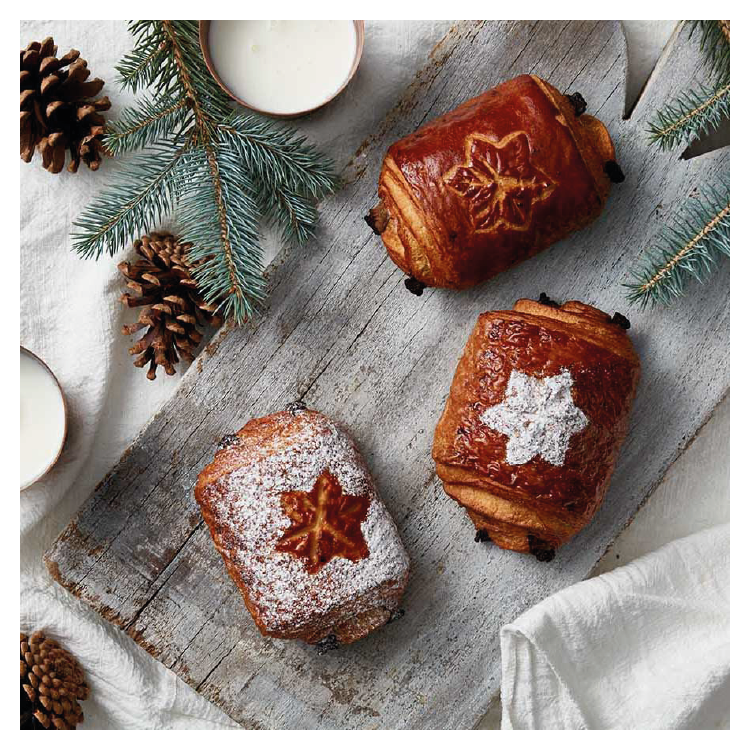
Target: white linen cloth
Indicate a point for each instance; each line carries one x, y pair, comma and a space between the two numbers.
71, 317
643, 647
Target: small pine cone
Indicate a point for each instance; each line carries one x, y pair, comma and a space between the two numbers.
57, 112
173, 308
52, 683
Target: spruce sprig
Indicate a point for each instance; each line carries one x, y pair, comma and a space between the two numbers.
146, 122
216, 171
215, 202
690, 247
147, 187
686, 250
148, 61
714, 41
692, 114
696, 112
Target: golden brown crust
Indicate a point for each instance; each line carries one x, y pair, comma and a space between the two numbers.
492, 183
294, 513
521, 501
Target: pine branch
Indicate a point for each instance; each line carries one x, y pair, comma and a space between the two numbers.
210, 103
697, 112
294, 216
149, 60
714, 41
277, 156
221, 171
145, 122
689, 116
145, 192
220, 218
687, 250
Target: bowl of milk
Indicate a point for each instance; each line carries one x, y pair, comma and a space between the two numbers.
282, 68
43, 419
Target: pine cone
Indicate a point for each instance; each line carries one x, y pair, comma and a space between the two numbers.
56, 111
173, 308
52, 683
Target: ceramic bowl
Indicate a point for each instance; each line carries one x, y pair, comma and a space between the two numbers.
359, 29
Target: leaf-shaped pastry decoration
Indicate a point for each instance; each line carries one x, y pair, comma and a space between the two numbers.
499, 182
326, 523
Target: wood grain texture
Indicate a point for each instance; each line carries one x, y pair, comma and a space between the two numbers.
343, 333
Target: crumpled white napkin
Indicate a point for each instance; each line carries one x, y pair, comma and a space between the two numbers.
643, 647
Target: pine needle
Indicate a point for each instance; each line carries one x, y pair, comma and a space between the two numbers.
220, 172
697, 112
714, 41
689, 116
142, 65
688, 250
142, 197
294, 216
146, 122
276, 155
221, 219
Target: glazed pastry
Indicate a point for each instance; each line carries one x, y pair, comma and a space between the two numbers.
492, 183
294, 513
537, 412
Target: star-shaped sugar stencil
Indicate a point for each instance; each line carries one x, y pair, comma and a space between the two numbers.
499, 181
325, 523
538, 416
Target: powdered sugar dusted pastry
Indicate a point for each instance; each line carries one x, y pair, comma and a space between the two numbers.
537, 412
491, 183
294, 513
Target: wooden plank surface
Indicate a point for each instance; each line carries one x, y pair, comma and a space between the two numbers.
343, 333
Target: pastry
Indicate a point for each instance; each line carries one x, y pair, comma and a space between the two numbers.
294, 513
536, 415
492, 183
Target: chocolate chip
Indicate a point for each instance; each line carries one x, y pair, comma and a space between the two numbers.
578, 103
542, 550
620, 320
377, 218
371, 222
545, 300
481, 536
295, 406
228, 440
613, 171
397, 614
329, 643
414, 286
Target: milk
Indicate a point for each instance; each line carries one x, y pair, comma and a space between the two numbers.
42, 419
283, 67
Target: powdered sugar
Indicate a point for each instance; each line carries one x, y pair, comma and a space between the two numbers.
538, 416
247, 501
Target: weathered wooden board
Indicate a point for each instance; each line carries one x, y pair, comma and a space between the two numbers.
343, 333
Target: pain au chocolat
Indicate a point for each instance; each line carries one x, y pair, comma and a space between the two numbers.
491, 183
303, 532
536, 415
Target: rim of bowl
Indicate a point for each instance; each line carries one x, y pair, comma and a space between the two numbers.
359, 30
49, 467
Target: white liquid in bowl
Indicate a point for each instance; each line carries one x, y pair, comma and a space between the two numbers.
283, 67
42, 419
